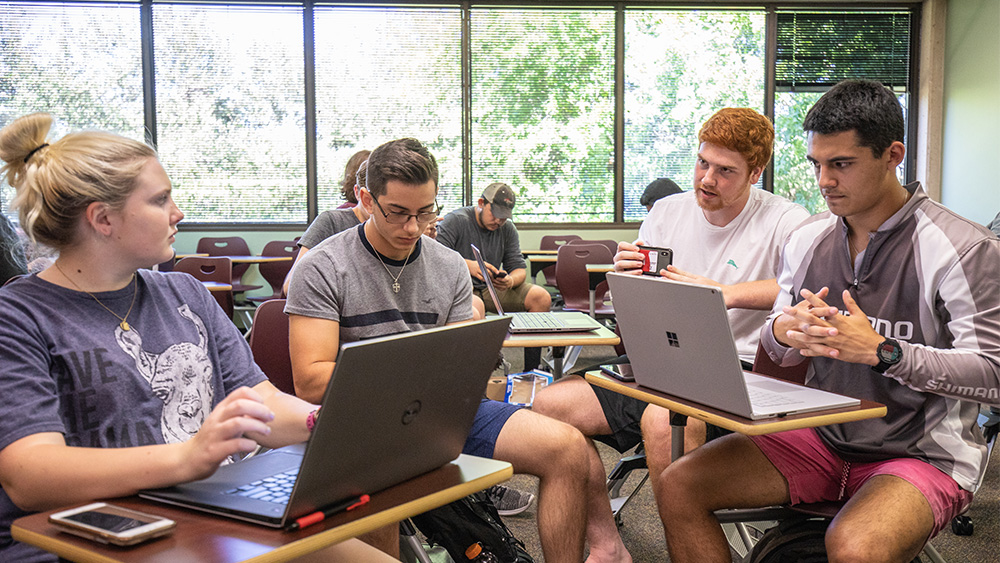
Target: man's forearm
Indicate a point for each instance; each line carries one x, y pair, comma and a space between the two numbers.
758, 295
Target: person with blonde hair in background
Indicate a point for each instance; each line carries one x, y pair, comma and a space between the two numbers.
113, 377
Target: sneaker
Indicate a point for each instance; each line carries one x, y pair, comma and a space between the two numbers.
508, 501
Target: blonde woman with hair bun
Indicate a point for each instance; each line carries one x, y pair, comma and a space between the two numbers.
113, 377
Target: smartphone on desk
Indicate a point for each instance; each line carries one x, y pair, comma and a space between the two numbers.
621, 372
107, 523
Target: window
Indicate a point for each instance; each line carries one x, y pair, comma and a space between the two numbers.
382, 74
529, 94
543, 110
680, 68
80, 63
230, 111
815, 50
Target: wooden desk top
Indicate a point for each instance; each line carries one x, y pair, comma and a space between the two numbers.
204, 538
600, 268
217, 286
258, 259
600, 337
543, 259
867, 409
527, 253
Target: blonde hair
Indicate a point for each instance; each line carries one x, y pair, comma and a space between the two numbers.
56, 183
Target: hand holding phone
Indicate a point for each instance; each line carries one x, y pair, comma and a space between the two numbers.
655, 259
500, 274
107, 523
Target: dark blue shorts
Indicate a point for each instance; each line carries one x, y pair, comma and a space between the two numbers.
490, 418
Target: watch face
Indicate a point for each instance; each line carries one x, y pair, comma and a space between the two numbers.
889, 351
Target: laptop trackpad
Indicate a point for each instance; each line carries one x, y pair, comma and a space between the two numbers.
775, 386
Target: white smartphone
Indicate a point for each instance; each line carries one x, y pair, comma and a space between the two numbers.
107, 523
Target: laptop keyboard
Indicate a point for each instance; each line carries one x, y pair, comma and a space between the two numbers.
761, 398
537, 320
276, 488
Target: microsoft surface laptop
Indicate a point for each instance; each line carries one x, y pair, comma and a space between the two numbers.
679, 341
541, 321
396, 407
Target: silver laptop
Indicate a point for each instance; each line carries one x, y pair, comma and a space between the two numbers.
679, 341
396, 407
565, 321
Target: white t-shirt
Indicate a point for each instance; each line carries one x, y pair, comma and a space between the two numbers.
747, 249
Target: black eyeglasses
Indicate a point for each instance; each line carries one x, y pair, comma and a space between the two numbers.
397, 218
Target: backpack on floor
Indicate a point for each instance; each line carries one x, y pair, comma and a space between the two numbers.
466, 521
797, 540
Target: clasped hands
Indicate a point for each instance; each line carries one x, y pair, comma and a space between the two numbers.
818, 330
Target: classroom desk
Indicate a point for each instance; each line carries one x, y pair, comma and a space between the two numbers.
729, 421
596, 273
539, 260
258, 259
559, 341
217, 286
204, 538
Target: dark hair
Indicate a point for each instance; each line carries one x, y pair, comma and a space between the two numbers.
864, 106
405, 160
351, 174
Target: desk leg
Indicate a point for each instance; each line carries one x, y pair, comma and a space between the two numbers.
677, 424
593, 298
558, 353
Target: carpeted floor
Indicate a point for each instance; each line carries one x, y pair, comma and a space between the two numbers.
643, 534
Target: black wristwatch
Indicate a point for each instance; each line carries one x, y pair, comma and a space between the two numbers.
889, 353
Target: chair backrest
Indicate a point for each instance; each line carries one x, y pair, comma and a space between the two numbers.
610, 244
269, 344
274, 272
553, 242
226, 246
762, 363
571, 272
211, 268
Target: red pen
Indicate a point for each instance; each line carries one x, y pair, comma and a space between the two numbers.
319, 516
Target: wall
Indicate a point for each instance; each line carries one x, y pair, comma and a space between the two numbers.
970, 184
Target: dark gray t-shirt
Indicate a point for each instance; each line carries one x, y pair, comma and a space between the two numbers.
501, 247
327, 224
343, 280
66, 366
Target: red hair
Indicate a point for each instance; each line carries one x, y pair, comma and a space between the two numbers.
742, 130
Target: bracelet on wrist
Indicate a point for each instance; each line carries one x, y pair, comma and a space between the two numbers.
311, 420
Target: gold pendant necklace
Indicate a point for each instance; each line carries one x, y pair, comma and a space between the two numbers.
395, 279
124, 320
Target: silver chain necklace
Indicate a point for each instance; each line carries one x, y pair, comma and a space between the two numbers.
395, 279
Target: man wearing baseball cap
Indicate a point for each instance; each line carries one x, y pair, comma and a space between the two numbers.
487, 226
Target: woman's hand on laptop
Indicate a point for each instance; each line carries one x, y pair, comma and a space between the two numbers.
228, 430
629, 260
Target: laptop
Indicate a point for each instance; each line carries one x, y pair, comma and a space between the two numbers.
396, 407
679, 341
526, 322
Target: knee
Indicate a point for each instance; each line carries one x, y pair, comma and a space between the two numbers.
568, 452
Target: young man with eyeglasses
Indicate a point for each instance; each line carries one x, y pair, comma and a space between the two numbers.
487, 225
382, 278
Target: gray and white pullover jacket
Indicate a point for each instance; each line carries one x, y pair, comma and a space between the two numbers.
931, 280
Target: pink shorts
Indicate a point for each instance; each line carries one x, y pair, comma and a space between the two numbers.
814, 474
